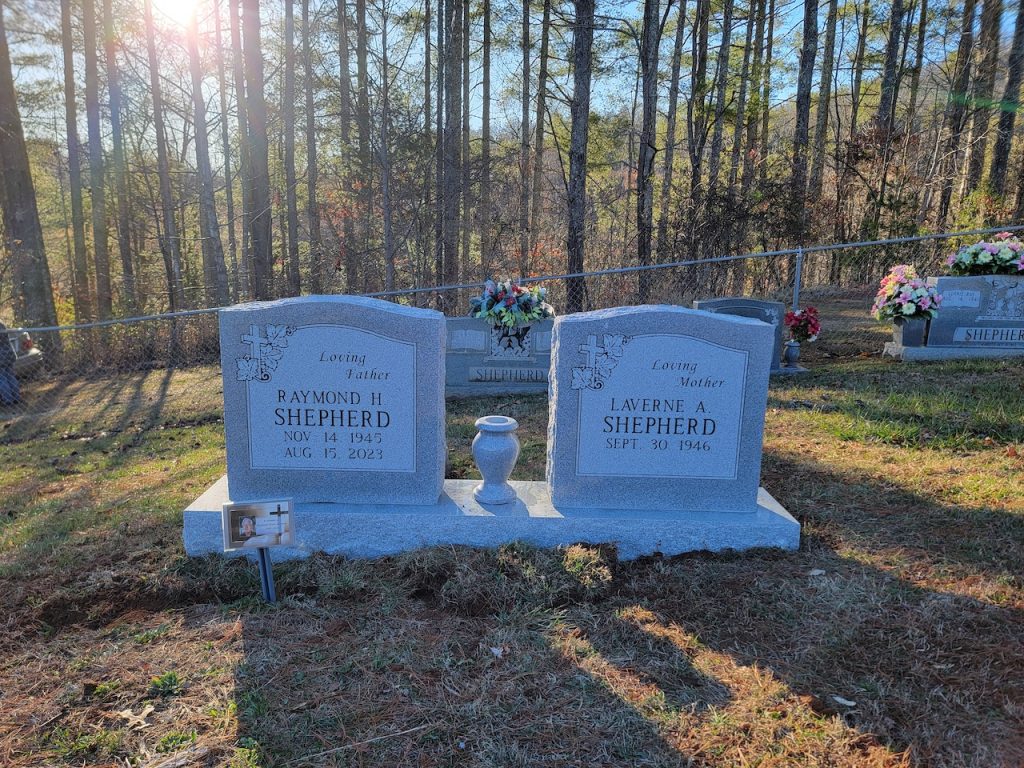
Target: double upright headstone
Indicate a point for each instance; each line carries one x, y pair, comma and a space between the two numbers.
655, 430
334, 399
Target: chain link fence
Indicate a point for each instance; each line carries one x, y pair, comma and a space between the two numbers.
133, 374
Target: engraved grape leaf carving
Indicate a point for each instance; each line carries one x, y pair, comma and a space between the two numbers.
603, 365
613, 344
248, 369
582, 378
277, 335
271, 363
268, 351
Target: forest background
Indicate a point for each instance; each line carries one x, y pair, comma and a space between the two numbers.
174, 154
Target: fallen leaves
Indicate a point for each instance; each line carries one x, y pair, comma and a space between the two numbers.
136, 721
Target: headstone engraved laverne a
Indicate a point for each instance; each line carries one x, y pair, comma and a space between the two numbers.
334, 399
658, 408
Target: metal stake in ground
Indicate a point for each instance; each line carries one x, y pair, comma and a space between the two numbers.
266, 575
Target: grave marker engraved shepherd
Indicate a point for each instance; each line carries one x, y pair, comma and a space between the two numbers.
334, 399
658, 408
487, 360
981, 312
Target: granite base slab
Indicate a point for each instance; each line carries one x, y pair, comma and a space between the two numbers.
374, 530
892, 349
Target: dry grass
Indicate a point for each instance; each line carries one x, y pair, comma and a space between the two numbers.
891, 638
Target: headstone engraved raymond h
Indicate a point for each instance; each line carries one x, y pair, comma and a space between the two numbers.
334, 399
661, 408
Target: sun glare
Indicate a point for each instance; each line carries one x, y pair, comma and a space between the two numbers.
173, 12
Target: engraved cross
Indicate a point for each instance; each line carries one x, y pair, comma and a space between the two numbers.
254, 340
592, 350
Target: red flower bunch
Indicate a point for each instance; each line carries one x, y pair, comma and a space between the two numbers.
803, 324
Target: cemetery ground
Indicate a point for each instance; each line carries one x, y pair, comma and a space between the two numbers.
892, 637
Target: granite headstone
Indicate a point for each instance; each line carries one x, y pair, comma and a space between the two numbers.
334, 399
657, 407
982, 312
487, 360
771, 312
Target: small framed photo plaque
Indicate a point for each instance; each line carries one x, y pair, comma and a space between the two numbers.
258, 524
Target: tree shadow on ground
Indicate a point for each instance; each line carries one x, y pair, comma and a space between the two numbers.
904, 606
890, 638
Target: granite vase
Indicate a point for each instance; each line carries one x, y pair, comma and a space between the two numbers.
791, 355
910, 331
495, 450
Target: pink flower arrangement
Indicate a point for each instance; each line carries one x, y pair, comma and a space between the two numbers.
1004, 255
902, 294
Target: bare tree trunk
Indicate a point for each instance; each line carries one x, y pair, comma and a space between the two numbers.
721, 81
766, 91
170, 245
485, 151
467, 188
1008, 108
696, 106
650, 37
214, 273
452, 154
316, 274
385, 157
915, 76
441, 138
290, 180
124, 241
538, 140
956, 108
261, 227
1018, 205
427, 142
670, 134
244, 158
741, 102
753, 121
225, 141
524, 151
350, 255
363, 133
984, 84
583, 43
824, 102
887, 101
100, 248
798, 184
23, 234
858, 65
80, 262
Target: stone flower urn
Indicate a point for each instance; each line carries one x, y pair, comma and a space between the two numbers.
495, 450
910, 331
791, 354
